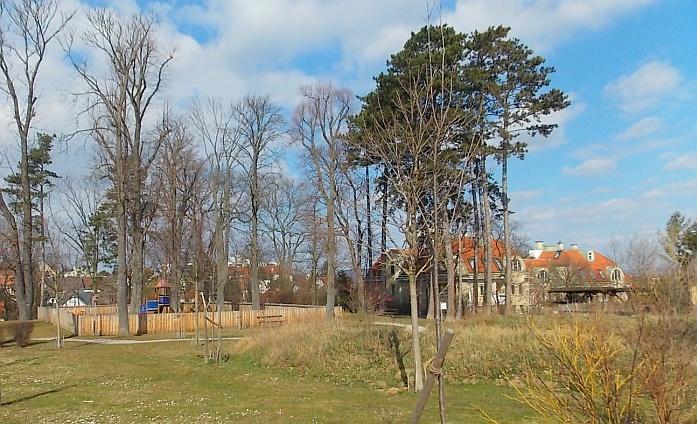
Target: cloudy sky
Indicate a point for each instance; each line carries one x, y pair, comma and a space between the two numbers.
622, 160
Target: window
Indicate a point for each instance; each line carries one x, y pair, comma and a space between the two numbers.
471, 261
590, 255
499, 264
616, 275
516, 265
513, 289
543, 276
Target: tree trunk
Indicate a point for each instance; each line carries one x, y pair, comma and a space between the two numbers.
460, 280
488, 259
137, 262
122, 283
415, 343
254, 257
369, 221
450, 271
25, 310
383, 224
331, 255
175, 282
506, 232
221, 258
476, 239
254, 266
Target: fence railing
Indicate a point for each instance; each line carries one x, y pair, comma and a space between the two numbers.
108, 324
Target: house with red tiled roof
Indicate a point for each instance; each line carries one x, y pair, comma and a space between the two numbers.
573, 272
547, 272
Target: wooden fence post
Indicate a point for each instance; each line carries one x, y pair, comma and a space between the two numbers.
434, 369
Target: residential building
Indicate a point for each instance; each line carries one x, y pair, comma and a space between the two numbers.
546, 273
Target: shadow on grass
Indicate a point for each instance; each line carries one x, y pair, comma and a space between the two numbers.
38, 342
36, 395
18, 361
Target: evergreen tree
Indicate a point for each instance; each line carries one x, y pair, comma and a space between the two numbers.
40, 180
99, 239
515, 83
680, 239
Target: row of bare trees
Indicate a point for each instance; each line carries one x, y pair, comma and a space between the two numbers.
182, 191
173, 190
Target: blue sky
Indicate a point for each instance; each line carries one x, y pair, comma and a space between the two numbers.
622, 160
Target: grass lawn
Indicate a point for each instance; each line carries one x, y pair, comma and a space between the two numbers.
88, 383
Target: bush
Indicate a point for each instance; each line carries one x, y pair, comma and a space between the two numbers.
598, 372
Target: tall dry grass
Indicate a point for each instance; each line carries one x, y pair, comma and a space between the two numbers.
358, 351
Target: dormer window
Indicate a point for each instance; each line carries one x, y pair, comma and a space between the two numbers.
590, 256
616, 275
516, 265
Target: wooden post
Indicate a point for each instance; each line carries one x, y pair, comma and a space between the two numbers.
433, 371
205, 324
196, 335
59, 343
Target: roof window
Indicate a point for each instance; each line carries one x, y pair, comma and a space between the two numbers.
590, 256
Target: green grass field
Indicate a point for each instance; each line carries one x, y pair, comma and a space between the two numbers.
88, 383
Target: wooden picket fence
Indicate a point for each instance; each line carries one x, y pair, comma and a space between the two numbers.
107, 325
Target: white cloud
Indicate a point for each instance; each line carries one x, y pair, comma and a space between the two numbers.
263, 47
641, 128
645, 87
556, 222
672, 189
683, 161
591, 167
248, 39
542, 24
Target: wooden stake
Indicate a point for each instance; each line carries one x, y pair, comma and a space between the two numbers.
433, 371
205, 324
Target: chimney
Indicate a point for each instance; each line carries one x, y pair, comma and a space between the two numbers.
574, 246
539, 245
560, 245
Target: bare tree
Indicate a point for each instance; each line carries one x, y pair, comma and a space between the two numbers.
214, 127
179, 176
316, 245
351, 217
260, 124
287, 203
85, 222
121, 105
27, 30
319, 124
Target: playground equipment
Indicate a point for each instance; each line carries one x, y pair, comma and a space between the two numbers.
162, 303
